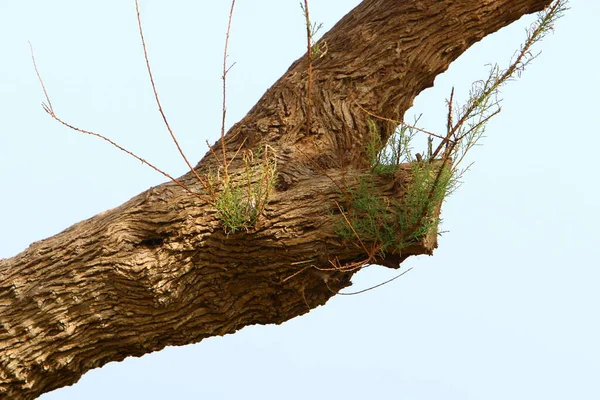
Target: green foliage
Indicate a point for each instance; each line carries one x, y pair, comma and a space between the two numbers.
241, 201
430, 185
367, 217
393, 224
235, 209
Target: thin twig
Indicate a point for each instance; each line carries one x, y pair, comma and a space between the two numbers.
236, 152
337, 266
49, 106
50, 110
224, 106
399, 122
160, 109
450, 111
182, 185
479, 124
310, 66
296, 273
369, 253
376, 286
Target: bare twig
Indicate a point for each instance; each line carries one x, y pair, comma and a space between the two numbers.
376, 286
160, 171
50, 110
160, 109
48, 106
296, 273
450, 102
309, 40
398, 122
224, 78
337, 266
237, 152
369, 253
479, 124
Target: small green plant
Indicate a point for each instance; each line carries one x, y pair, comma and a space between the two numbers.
386, 224
241, 201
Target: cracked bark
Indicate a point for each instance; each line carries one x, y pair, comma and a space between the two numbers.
159, 270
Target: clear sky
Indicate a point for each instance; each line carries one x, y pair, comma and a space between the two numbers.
507, 308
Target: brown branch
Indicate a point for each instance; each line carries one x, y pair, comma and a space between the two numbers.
160, 109
371, 253
478, 124
50, 110
399, 122
237, 152
224, 106
160, 171
49, 106
376, 286
450, 103
310, 65
349, 267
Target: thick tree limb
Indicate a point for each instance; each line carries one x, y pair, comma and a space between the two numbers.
159, 270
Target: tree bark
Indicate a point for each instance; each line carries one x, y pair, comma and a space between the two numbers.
160, 271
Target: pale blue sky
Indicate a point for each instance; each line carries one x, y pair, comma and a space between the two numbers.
507, 308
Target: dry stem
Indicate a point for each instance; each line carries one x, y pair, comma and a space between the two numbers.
376, 286
398, 122
310, 65
50, 110
224, 107
160, 109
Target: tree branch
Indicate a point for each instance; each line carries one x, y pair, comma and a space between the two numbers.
159, 270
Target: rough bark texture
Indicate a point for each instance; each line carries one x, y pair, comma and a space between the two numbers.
159, 270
